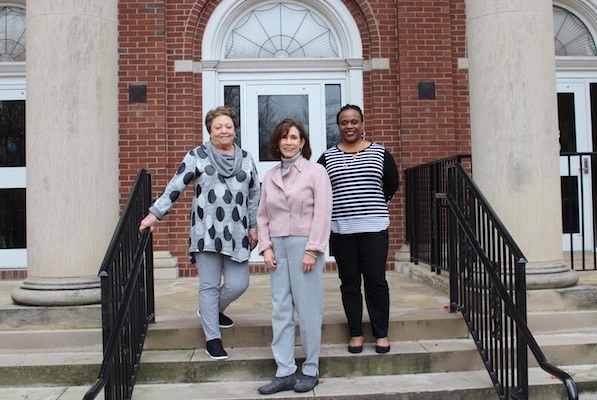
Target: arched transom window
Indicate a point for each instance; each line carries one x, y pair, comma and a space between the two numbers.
572, 38
12, 33
281, 30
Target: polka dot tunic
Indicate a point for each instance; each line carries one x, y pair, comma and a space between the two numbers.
224, 208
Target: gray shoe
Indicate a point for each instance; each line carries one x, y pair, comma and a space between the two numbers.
279, 384
306, 383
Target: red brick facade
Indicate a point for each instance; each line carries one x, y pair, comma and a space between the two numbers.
422, 39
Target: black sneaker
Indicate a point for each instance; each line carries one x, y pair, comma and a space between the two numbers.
215, 350
225, 322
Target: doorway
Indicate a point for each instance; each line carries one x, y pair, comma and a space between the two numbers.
576, 165
261, 105
13, 252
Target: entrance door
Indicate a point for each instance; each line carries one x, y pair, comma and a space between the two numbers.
575, 165
13, 253
268, 104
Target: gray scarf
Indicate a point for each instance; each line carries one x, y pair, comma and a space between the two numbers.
226, 166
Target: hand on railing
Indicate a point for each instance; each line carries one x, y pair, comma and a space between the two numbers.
148, 222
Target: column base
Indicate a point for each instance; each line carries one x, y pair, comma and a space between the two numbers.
165, 266
52, 292
550, 276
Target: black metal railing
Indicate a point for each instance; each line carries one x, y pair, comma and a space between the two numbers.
579, 217
426, 217
127, 297
488, 287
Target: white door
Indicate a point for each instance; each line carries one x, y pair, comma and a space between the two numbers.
13, 252
575, 167
265, 105
268, 104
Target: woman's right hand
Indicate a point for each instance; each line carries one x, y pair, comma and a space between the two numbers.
270, 259
148, 222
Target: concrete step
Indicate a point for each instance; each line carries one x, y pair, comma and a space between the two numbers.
255, 330
256, 363
250, 330
469, 385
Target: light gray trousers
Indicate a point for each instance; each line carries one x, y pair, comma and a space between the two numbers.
221, 281
294, 290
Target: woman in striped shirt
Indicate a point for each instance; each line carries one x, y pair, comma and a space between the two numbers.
364, 178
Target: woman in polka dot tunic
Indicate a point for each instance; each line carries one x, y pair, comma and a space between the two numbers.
223, 220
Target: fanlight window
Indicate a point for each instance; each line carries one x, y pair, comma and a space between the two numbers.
12, 34
281, 30
572, 38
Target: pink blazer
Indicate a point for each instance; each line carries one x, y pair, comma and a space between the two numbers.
300, 205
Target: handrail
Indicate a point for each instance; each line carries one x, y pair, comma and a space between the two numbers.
461, 195
425, 216
112, 345
127, 297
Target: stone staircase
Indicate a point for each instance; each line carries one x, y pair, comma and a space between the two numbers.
51, 354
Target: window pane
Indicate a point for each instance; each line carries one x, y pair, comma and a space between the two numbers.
572, 38
232, 100
566, 122
12, 133
281, 30
570, 214
12, 219
12, 34
273, 109
332, 106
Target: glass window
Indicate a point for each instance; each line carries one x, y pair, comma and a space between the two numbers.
232, 100
12, 133
12, 219
572, 38
273, 109
12, 34
281, 30
566, 122
332, 106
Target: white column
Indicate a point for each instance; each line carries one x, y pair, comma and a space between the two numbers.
514, 128
72, 148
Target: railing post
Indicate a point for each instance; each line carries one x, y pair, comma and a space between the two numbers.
521, 343
452, 247
435, 218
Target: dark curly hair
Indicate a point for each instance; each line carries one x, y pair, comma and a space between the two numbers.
282, 129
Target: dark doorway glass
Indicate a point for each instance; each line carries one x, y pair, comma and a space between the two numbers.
12, 133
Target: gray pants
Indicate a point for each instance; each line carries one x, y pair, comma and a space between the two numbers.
292, 289
215, 293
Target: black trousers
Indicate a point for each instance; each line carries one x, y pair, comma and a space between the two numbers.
363, 254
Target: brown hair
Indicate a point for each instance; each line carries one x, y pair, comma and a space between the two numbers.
282, 129
221, 110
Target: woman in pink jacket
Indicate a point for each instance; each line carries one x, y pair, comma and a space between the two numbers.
293, 222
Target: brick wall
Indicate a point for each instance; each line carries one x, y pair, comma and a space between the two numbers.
422, 40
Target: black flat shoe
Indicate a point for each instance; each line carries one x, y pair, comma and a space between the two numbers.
355, 349
382, 349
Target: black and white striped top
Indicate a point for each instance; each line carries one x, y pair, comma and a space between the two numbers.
362, 185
